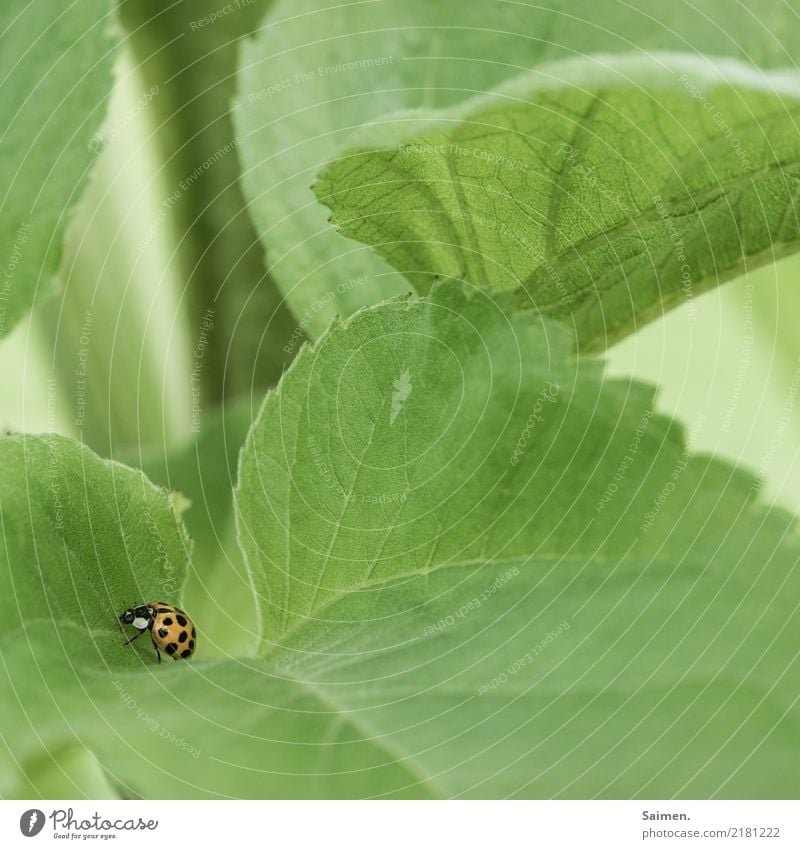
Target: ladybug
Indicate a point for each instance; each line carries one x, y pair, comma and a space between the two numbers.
171, 630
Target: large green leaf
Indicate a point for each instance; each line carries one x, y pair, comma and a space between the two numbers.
606, 189
438, 490
55, 81
516, 625
299, 97
84, 538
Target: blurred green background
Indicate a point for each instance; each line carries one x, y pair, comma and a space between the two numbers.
727, 357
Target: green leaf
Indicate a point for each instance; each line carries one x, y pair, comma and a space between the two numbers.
512, 570
56, 81
299, 98
516, 625
606, 190
84, 539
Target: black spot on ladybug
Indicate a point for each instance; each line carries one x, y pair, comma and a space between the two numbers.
164, 610
181, 620
162, 632
171, 648
168, 621
193, 632
182, 637
191, 645
186, 653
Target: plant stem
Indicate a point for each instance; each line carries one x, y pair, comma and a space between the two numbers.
187, 51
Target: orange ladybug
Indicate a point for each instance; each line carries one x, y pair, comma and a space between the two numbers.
171, 630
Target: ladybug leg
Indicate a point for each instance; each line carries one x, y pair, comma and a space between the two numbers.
158, 653
128, 642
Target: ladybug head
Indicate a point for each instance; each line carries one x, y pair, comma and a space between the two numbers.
127, 616
138, 616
